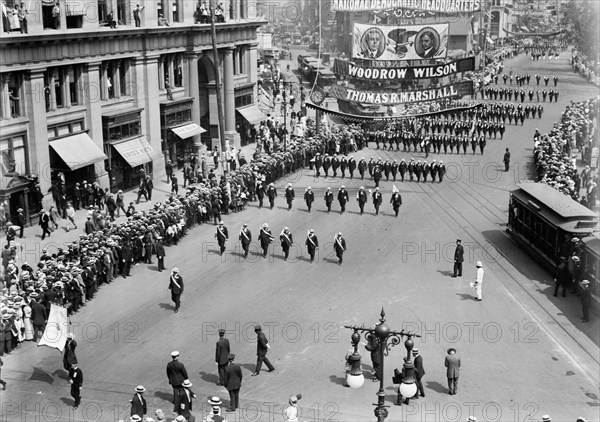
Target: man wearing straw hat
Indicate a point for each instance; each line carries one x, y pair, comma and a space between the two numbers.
138, 402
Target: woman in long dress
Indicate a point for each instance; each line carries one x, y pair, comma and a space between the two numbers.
28, 333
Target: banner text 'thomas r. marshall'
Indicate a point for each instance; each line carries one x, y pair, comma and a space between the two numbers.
450, 91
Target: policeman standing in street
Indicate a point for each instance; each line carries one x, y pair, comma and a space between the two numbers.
222, 235
312, 244
222, 351
176, 287
286, 239
177, 374
309, 197
265, 237
245, 239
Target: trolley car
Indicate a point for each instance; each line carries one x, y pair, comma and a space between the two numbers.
543, 220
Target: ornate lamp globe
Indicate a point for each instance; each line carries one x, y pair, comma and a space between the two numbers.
408, 390
356, 381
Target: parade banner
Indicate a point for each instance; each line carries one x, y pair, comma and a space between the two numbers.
439, 6
351, 70
410, 42
55, 334
450, 91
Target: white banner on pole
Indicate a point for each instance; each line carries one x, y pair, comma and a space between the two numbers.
57, 328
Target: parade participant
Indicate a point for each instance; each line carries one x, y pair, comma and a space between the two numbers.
458, 259
339, 244
396, 201
312, 244
69, 357
362, 166
478, 280
260, 193
291, 412
222, 236
361, 197
318, 164
177, 374
377, 175
138, 402
159, 250
289, 195
419, 372
326, 164
286, 239
342, 198
185, 401
271, 194
233, 382
76, 381
452, 363
262, 346
506, 160
586, 300
328, 198
411, 168
222, 351
176, 288
335, 164
309, 197
265, 237
441, 171
245, 238
377, 200
351, 166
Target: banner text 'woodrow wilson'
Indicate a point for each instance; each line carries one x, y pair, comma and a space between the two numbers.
450, 91
350, 70
441, 6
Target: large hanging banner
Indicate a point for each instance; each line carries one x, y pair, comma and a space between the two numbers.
365, 72
440, 6
450, 91
411, 42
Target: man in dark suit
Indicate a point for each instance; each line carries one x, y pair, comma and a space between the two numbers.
373, 347
176, 287
138, 402
76, 381
343, 198
233, 377
262, 346
309, 197
312, 244
185, 401
222, 235
222, 355
21, 221
419, 372
176, 373
38, 316
458, 258
452, 364
287, 240
339, 245
428, 45
377, 200
289, 195
245, 239
506, 160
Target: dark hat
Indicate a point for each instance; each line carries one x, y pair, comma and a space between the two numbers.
451, 350
257, 328
231, 356
222, 331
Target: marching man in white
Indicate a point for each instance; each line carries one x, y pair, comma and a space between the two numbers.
478, 280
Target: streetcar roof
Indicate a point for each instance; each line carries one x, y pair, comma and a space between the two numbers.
561, 204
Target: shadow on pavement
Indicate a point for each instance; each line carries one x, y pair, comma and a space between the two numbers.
337, 380
446, 273
436, 386
164, 396
59, 373
41, 375
167, 306
465, 296
209, 377
67, 401
249, 366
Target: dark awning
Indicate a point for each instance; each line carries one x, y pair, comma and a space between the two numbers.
187, 131
78, 151
252, 114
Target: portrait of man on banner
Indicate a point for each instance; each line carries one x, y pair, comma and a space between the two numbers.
373, 43
427, 43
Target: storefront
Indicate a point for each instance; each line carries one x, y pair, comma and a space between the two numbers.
15, 191
178, 130
247, 120
128, 151
75, 156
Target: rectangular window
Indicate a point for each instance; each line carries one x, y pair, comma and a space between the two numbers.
122, 12
58, 87
241, 60
178, 70
102, 10
166, 69
74, 74
123, 73
13, 154
14, 94
110, 80
76, 127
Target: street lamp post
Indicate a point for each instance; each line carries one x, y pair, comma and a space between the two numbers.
285, 129
388, 339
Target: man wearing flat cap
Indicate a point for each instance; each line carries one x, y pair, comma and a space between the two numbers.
138, 402
262, 346
452, 363
459, 253
233, 382
177, 374
222, 355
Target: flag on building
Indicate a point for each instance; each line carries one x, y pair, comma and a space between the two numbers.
57, 328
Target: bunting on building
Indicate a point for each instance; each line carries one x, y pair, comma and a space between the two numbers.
439, 6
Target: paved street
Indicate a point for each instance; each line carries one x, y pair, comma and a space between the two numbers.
524, 353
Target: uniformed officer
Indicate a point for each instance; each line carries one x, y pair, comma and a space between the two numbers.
328, 198
286, 239
289, 195
222, 236
265, 237
377, 200
342, 198
245, 239
309, 197
271, 194
312, 244
361, 197
396, 201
